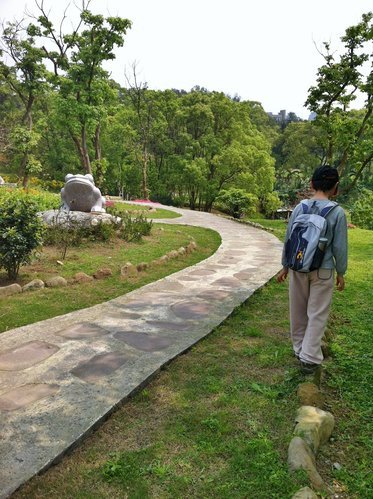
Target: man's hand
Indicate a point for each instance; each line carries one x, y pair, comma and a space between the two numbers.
340, 283
282, 275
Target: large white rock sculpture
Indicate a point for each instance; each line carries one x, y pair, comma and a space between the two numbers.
81, 194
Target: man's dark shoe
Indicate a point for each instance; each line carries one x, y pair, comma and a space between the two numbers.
308, 368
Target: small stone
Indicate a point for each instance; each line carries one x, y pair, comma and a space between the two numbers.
141, 266
60, 263
305, 493
337, 466
308, 432
12, 289
94, 222
34, 284
162, 260
82, 277
192, 245
309, 394
56, 282
314, 425
173, 254
128, 269
103, 273
300, 457
181, 251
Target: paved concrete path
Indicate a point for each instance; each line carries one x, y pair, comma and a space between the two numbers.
60, 377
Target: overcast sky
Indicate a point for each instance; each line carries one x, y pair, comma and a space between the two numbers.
262, 50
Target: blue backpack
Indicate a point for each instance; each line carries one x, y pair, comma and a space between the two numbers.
305, 248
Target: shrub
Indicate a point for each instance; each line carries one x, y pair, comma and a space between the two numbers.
42, 199
133, 229
20, 234
238, 202
103, 231
47, 185
270, 203
71, 233
64, 235
362, 210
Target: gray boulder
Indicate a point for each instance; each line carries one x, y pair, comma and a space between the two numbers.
12, 289
56, 282
34, 284
66, 218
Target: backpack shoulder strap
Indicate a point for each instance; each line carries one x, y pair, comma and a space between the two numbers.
304, 208
328, 208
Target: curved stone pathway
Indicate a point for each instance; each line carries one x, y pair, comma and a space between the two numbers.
59, 378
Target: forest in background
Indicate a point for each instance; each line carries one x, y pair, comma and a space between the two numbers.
60, 112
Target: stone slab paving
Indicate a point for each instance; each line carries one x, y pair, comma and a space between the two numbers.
59, 378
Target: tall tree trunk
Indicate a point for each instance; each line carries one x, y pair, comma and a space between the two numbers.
329, 153
86, 160
192, 200
26, 176
99, 167
144, 184
78, 148
97, 143
208, 205
27, 118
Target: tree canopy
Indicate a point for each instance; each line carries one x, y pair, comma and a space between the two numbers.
348, 133
62, 113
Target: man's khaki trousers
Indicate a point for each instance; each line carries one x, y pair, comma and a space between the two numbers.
310, 297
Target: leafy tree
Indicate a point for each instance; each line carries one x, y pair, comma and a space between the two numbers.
144, 104
23, 71
221, 133
238, 202
56, 150
298, 151
78, 74
302, 147
270, 203
9, 115
266, 125
339, 80
118, 136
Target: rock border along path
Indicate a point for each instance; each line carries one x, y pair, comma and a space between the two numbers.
59, 378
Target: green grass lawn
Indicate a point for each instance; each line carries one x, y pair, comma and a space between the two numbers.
349, 374
217, 421
278, 226
26, 308
120, 207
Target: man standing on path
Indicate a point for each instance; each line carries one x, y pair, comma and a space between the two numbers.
310, 292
